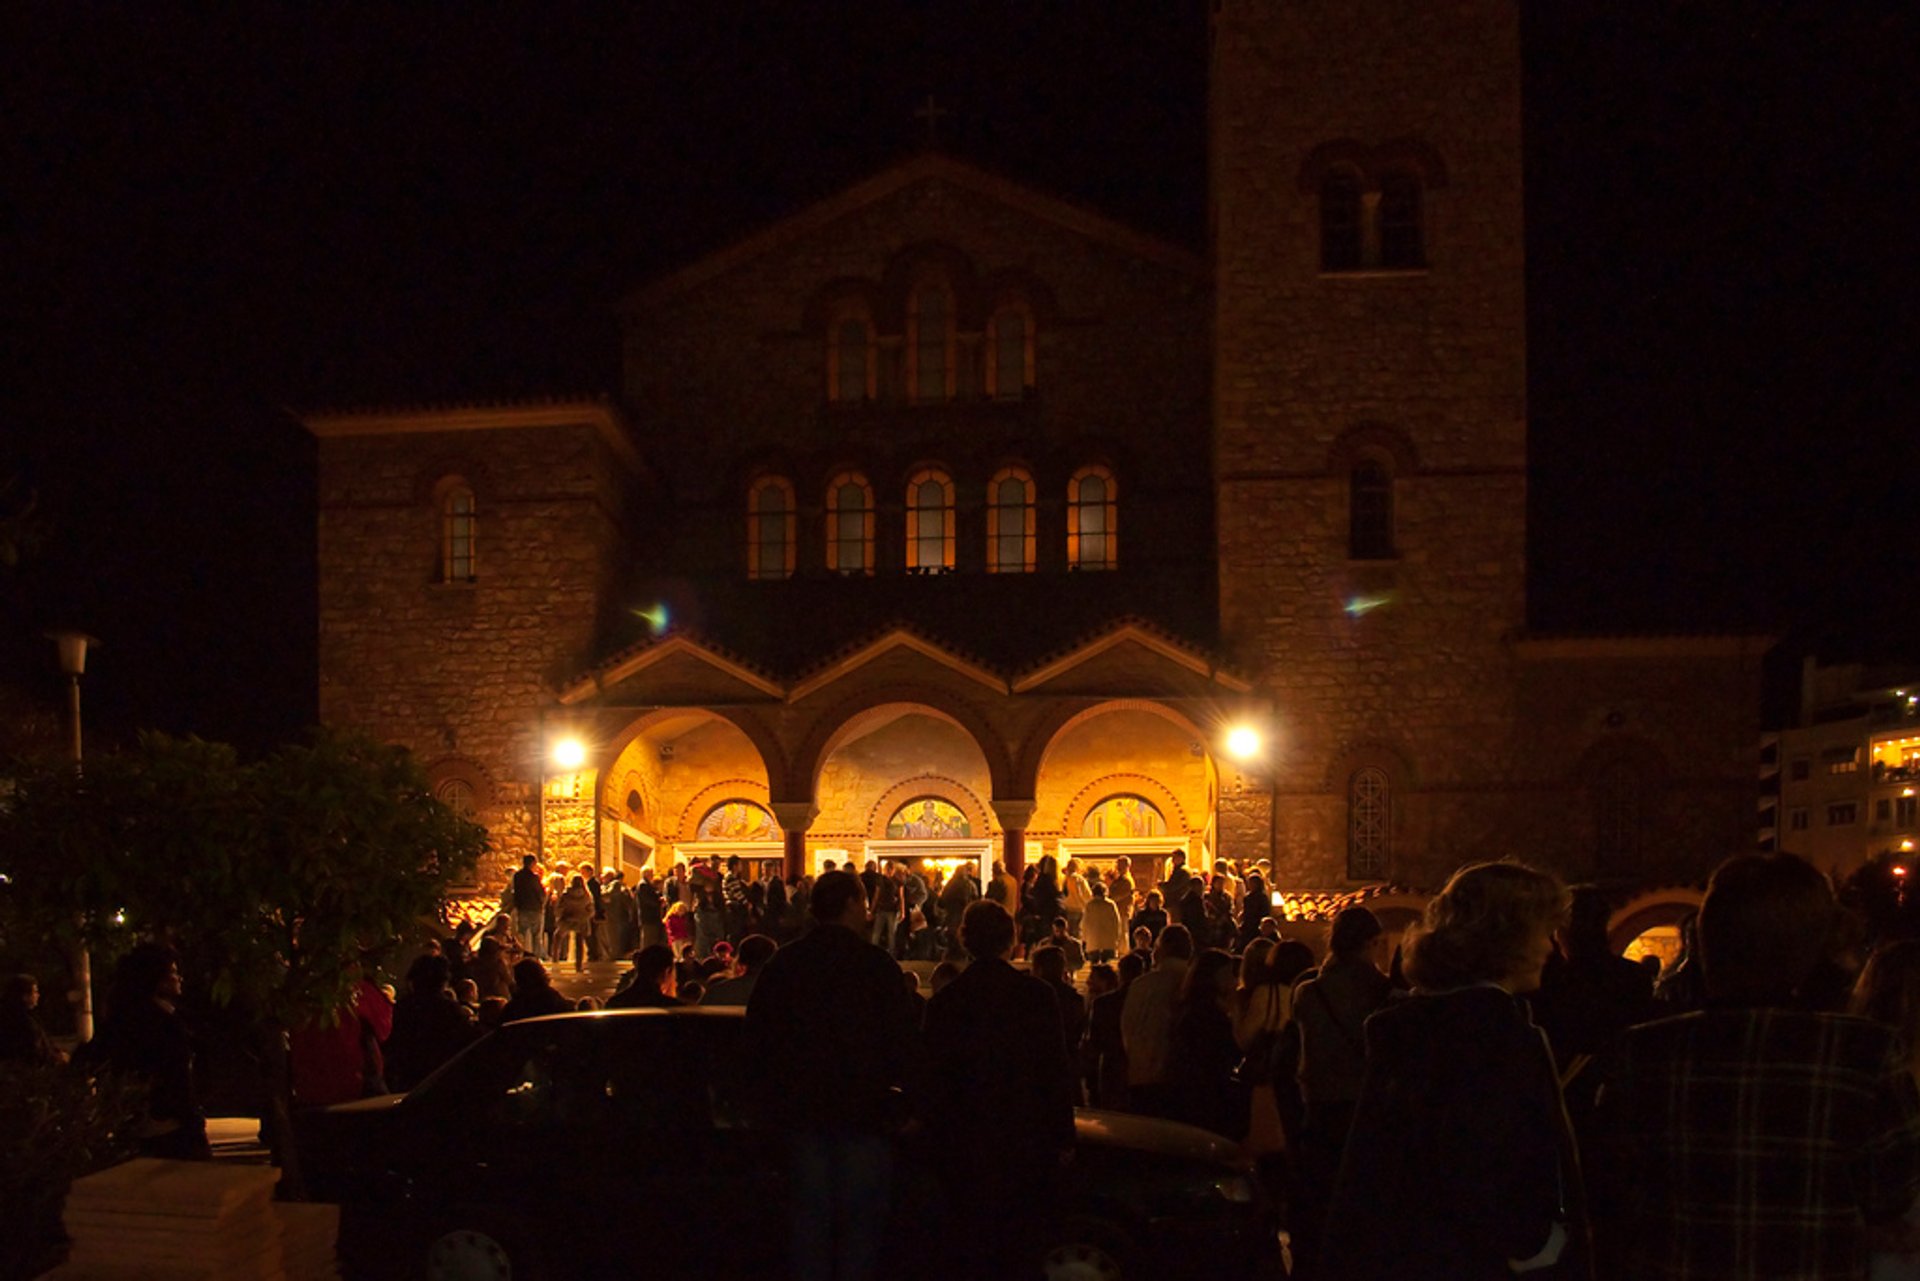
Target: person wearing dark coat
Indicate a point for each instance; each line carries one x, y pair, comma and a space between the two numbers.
1204, 1053
1000, 1102
652, 983
533, 993
22, 1039
831, 1036
430, 1025
1459, 1159
144, 1036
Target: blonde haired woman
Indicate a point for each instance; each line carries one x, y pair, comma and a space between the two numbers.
1459, 1154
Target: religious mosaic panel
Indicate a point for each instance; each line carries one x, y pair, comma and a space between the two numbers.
1120, 816
928, 818
737, 821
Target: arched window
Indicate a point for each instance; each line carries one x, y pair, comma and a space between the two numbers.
930, 343
850, 524
1010, 352
1370, 511
771, 520
1342, 233
1093, 525
930, 522
1010, 526
1401, 246
852, 370
1369, 824
458, 535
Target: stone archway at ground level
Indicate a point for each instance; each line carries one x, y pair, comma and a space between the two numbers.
1649, 923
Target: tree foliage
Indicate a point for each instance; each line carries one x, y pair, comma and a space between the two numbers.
271, 876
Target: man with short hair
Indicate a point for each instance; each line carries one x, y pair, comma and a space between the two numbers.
832, 1033
1001, 1088
1750, 1139
1146, 1023
651, 983
529, 898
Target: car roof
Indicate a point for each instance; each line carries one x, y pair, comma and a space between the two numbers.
649, 1012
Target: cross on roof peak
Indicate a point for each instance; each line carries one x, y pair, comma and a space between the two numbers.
932, 113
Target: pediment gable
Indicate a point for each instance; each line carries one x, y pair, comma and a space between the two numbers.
929, 168
899, 654
673, 669
1130, 660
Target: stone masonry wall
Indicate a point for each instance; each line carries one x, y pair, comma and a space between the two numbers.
1403, 658
462, 671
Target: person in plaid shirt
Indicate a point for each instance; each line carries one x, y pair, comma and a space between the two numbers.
1752, 1140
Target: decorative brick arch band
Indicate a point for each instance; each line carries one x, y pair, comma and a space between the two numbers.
1108, 785
939, 786
727, 789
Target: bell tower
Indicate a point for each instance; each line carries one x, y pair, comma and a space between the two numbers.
1369, 400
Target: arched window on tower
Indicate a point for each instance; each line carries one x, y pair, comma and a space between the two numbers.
1093, 525
459, 561
852, 369
1369, 824
771, 521
1010, 523
1401, 245
1342, 230
1010, 352
930, 343
930, 522
850, 524
1370, 511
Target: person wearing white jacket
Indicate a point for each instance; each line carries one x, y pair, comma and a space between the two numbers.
1101, 928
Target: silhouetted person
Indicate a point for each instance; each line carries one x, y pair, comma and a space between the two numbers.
1204, 1052
1146, 1023
755, 951
1588, 998
533, 992
1106, 1052
22, 1039
1000, 1108
430, 1025
830, 1035
1751, 1139
144, 1036
652, 983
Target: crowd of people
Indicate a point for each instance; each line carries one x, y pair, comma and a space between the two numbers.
1494, 1093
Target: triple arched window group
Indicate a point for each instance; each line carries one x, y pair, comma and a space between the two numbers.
848, 517
935, 360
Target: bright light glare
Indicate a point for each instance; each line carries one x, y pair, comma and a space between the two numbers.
569, 753
1243, 742
657, 617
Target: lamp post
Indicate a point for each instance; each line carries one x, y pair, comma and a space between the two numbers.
72, 648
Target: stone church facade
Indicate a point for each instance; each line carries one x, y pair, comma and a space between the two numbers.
948, 520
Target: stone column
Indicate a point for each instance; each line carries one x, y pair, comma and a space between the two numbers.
794, 817
1013, 816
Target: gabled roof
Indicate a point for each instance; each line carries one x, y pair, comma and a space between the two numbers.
1137, 631
928, 166
896, 637
638, 658
597, 412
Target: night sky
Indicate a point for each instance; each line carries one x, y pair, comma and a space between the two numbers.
207, 221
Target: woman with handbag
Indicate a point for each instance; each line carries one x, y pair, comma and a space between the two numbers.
1261, 1007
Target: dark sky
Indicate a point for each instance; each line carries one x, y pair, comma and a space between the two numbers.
208, 220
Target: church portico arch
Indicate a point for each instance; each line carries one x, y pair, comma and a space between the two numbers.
1129, 777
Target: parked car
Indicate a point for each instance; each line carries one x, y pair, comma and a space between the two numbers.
615, 1144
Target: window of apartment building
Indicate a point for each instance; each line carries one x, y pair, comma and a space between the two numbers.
1841, 760
1906, 811
1882, 810
1844, 815
1797, 819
